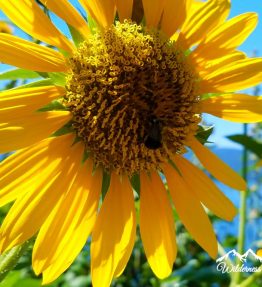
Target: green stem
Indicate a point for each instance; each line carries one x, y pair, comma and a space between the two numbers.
222, 252
247, 282
9, 259
242, 209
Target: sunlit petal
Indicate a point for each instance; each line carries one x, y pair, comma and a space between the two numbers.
24, 54
30, 18
157, 225
114, 233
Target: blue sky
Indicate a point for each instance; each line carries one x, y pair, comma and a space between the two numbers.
253, 43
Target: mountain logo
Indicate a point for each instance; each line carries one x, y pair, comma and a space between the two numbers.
225, 263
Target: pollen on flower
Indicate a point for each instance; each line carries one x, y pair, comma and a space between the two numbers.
120, 79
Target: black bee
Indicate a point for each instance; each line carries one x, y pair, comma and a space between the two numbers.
153, 138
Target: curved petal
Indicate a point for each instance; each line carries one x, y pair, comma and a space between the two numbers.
30, 211
103, 11
113, 236
5, 28
190, 211
216, 166
22, 130
21, 125
153, 10
35, 98
17, 172
24, 54
204, 18
205, 66
30, 17
239, 108
67, 228
205, 189
240, 75
174, 15
226, 37
66, 11
124, 9
157, 225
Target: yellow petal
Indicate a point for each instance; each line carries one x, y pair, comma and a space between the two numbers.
195, 4
67, 228
5, 28
190, 211
174, 15
113, 236
35, 98
226, 37
22, 132
66, 11
124, 9
153, 10
205, 189
17, 172
204, 18
24, 54
157, 225
205, 66
216, 166
30, 17
30, 211
103, 11
239, 108
238, 76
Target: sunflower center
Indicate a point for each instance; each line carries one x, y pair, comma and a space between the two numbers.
133, 98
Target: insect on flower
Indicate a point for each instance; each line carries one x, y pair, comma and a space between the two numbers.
153, 138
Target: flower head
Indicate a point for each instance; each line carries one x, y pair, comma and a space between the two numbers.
125, 102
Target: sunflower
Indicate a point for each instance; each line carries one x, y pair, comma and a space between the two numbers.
112, 119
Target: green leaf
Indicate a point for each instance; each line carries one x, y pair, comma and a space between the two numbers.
174, 166
18, 74
53, 106
86, 155
76, 36
58, 79
11, 279
66, 129
9, 259
40, 83
204, 133
28, 282
135, 182
92, 24
43, 74
105, 183
249, 143
209, 95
